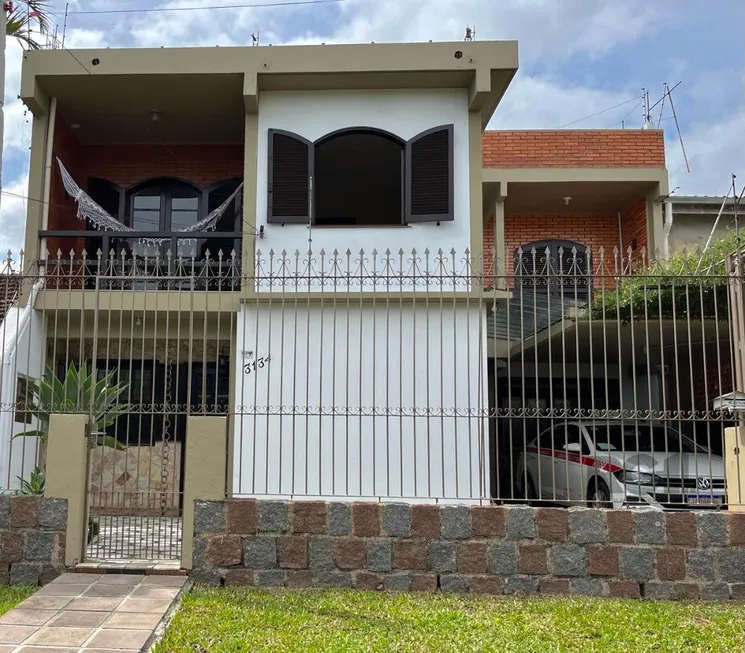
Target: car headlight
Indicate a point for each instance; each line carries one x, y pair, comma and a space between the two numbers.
639, 478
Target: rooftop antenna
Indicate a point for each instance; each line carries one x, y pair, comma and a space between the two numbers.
647, 118
668, 92
470, 33
255, 38
64, 24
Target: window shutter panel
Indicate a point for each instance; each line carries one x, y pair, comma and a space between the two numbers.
288, 183
429, 176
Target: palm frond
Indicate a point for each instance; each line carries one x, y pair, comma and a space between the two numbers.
25, 28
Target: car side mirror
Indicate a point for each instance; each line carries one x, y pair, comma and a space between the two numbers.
573, 447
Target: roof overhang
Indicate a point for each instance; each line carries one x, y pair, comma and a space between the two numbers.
89, 82
592, 190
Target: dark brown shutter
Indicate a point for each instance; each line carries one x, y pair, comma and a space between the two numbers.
429, 176
288, 187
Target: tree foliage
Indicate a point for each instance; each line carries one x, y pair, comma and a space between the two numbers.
687, 285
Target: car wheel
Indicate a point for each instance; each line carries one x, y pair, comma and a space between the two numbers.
598, 494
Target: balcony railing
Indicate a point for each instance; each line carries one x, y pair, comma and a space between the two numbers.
141, 260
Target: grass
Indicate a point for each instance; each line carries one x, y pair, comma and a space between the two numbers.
232, 620
10, 597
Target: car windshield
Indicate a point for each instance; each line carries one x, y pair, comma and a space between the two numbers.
629, 437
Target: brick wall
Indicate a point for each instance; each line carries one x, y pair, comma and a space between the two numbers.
477, 549
607, 148
593, 231
634, 225
127, 165
62, 208
32, 539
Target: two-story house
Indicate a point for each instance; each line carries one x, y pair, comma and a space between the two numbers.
320, 242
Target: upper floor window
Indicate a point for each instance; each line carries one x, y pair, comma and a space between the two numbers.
559, 267
360, 177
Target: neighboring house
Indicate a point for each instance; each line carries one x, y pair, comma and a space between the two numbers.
344, 373
690, 221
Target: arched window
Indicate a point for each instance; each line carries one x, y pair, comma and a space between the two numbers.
360, 176
359, 179
557, 267
168, 205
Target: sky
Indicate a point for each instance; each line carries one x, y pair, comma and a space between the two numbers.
583, 64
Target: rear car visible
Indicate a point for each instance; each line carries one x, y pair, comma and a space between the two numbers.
620, 463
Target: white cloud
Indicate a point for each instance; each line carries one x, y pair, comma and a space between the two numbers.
714, 152
13, 216
546, 103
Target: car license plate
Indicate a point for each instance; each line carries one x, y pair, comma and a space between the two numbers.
703, 500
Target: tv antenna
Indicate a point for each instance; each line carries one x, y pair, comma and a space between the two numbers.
669, 94
470, 33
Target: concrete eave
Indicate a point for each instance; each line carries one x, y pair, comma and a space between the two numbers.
500, 176
485, 68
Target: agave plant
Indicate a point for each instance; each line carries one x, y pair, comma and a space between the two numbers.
79, 393
35, 484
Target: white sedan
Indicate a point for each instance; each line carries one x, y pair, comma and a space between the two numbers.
613, 464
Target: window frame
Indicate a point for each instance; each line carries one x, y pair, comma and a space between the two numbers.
22, 415
165, 184
407, 191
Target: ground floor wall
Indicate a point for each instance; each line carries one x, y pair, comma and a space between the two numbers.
380, 400
477, 549
32, 539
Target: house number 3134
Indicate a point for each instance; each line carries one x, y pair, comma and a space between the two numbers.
252, 366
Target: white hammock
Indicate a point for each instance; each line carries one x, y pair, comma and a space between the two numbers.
88, 209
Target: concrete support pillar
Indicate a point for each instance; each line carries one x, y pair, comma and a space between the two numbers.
67, 478
250, 171
655, 226
734, 467
500, 264
204, 472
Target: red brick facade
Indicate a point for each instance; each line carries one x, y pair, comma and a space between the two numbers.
593, 231
607, 148
634, 226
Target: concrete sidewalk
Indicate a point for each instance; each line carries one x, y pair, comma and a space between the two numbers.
91, 613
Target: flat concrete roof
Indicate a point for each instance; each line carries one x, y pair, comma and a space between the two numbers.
122, 82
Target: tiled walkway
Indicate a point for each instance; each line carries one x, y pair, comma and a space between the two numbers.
90, 613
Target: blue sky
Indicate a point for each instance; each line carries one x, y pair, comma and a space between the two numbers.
577, 58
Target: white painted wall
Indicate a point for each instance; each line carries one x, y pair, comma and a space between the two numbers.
412, 438
406, 113
23, 334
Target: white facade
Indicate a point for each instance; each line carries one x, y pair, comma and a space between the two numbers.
405, 113
23, 333
375, 402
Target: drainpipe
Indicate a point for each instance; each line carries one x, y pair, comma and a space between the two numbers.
48, 170
668, 226
620, 239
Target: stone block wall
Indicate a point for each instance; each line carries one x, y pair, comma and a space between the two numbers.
32, 539
478, 549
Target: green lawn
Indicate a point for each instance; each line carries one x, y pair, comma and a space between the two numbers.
10, 597
226, 619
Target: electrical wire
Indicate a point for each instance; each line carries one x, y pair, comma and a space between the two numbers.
623, 120
597, 113
256, 5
